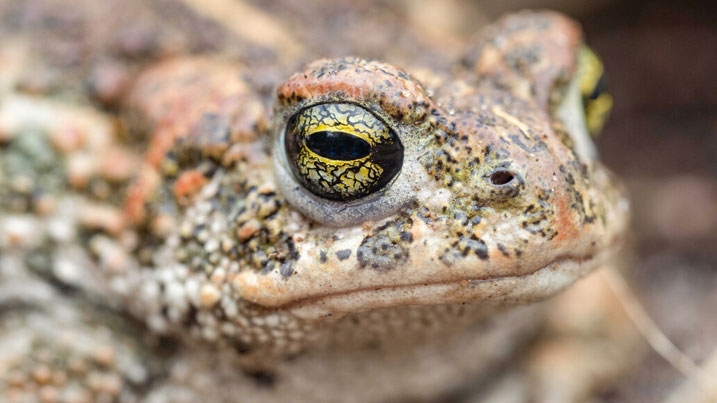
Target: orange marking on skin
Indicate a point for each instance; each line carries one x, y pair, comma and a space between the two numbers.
162, 141
564, 220
359, 79
187, 185
138, 194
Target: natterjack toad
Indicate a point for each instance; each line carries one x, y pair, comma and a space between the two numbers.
361, 240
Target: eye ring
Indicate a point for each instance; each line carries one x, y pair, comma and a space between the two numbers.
341, 151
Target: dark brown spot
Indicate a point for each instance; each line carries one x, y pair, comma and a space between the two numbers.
286, 270
262, 378
343, 254
502, 249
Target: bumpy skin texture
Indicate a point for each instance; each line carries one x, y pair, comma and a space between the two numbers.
211, 237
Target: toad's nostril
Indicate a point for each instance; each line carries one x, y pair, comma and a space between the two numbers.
501, 177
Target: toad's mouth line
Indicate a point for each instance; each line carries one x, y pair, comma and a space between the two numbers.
500, 290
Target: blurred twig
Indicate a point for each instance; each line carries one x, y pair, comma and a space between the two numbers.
657, 339
249, 23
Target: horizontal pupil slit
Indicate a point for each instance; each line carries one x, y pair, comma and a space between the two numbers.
338, 145
599, 89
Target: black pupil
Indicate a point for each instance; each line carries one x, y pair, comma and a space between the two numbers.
338, 145
600, 88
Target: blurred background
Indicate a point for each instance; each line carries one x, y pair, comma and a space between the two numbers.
661, 58
661, 63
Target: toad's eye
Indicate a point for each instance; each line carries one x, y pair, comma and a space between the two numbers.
341, 151
596, 100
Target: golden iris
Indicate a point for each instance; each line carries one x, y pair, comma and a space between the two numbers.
341, 151
593, 86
